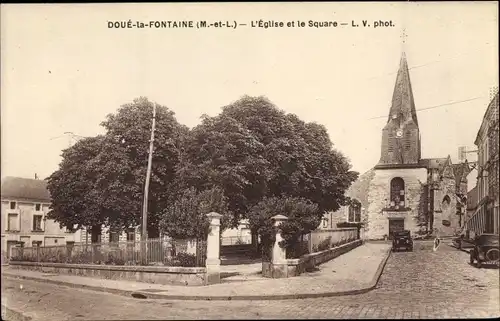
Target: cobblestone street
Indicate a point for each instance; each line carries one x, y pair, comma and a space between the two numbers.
419, 284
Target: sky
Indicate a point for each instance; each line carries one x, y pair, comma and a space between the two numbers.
63, 70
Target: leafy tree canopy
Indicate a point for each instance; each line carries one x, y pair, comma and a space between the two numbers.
303, 217
249, 156
254, 150
112, 173
186, 217
74, 202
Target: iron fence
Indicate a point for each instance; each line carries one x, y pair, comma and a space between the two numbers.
157, 252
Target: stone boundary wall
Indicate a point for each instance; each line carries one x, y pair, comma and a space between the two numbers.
169, 275
295, 267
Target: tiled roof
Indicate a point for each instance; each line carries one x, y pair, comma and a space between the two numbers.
18, 188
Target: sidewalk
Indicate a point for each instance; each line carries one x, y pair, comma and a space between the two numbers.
355, 272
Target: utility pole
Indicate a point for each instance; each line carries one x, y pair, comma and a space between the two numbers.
144, 236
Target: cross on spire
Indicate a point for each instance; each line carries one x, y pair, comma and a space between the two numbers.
403, 37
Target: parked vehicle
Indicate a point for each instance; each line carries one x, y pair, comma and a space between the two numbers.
402, 239
486, 250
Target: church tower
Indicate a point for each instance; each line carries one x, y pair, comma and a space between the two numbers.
401, 135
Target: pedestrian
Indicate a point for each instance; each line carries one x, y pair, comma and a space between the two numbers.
437, 241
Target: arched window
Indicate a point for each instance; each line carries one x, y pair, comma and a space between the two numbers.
354, 212
397, 192
446, 202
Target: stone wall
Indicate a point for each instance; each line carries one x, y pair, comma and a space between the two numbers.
188, 276
295, 267
378, 200
444, 210
333, 218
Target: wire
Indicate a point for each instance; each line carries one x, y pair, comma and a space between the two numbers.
429, 63
437, 106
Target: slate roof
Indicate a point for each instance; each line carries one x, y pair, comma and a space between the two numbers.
18, 188
403, 103
438, 163
461, 170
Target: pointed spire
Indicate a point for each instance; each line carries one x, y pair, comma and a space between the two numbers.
403, 106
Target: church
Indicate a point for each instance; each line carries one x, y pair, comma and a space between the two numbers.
405, 191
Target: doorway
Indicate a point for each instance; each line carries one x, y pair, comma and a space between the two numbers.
10, 245
396, 225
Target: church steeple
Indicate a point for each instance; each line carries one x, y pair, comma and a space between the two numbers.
403, 104
401, 136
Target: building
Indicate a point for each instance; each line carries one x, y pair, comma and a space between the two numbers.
25, 204
108, 235
471, 203
404, 190
485, 219
238, 235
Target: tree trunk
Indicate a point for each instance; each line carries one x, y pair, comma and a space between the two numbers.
255, 241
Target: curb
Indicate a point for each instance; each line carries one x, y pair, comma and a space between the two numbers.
380, 269
19, 315
148, 295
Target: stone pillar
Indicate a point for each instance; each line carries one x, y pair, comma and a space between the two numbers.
279, 262
213, 248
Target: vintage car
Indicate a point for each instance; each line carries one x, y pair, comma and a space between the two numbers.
485, 250
402, 239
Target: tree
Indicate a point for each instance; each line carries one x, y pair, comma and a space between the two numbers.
303, 217
74, 199
301, 161
220, 152
128, 131
254, 150
185, 218
101, 180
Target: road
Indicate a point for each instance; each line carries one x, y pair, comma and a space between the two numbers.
419, 284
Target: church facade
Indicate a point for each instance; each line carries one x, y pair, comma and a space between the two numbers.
405, 191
